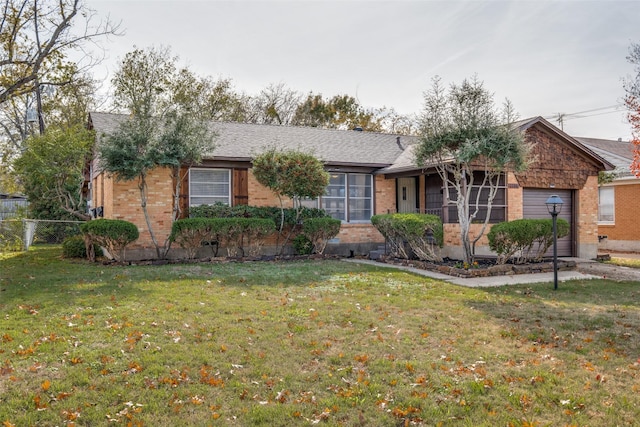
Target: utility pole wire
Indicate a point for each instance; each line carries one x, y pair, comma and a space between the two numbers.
562, 117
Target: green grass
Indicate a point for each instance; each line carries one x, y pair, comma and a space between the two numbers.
625, 262
299, 343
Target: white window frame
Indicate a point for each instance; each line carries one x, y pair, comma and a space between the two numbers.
192, 196
611, 205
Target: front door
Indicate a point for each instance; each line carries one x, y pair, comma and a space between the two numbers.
407, 195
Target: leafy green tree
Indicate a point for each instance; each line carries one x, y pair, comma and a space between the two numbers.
62, 106
292, 174
51, 170
338, 112
36, 37
314, 111
632, 101
211, 99
465, 136
159, 132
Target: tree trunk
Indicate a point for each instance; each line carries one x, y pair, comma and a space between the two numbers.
142, 186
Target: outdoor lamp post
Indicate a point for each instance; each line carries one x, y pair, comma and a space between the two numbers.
554, 206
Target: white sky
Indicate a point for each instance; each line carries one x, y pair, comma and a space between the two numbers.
547, 57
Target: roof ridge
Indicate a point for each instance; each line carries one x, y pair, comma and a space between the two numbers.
286, 126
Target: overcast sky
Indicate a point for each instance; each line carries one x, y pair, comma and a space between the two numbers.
547, 57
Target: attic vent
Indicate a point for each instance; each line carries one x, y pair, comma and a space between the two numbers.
357, 129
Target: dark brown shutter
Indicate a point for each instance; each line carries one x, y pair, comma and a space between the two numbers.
240, 187
184, 192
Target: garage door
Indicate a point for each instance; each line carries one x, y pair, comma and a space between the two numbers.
535, 207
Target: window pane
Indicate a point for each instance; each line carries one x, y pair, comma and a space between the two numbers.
309, 203
349, 197
333, 201
360, 197
359, 209
209, 186
334, 207
606, 205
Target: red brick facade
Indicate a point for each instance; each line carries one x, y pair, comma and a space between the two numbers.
557, 163
624, 233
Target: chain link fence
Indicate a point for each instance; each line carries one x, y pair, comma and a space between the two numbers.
20, 234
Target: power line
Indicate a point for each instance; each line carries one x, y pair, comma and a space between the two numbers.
562, 117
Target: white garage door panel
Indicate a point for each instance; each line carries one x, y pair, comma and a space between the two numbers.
535, 207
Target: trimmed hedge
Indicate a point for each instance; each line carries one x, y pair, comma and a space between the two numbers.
302, 245
524, 240
220, 210
240, 235
421, 233
319, 231
113, 234
192, 233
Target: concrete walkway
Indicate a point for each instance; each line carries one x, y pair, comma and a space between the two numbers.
478, 282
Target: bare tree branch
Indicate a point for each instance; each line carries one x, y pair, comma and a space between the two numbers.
34, 35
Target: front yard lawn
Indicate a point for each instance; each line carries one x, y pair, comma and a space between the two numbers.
308, 342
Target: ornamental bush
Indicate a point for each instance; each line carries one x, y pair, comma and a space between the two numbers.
113, 234
524, 240
74, 247
302, 245
245, 236
221, 210
420, 234
319, 231
192, 233
241, 236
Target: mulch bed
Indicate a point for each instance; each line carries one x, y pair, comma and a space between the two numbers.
483, 267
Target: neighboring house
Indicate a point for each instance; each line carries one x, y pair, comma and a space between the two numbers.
618, 225
10, 204
371, 173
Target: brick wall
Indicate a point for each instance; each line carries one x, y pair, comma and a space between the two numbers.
260, 195
385, 195
359, 233
587, 215
515, 198
626, 226
121, 200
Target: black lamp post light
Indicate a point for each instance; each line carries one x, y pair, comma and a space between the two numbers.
554, 206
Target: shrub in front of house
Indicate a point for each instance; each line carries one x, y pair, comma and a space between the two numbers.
302, 245
292, 222
74, 247
245, 236
419, 235
221, 210
192, 233
241, 236
524, 240
113, 234
319, 231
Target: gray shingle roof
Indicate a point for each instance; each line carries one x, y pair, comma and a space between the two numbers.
242, 141
618, 153
406, 161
